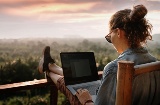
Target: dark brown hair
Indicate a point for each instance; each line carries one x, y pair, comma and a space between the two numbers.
137, 28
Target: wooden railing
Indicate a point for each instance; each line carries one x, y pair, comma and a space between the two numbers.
8, 88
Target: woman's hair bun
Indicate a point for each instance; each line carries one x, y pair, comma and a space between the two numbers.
138, 13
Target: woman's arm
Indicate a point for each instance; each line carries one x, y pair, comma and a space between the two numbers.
84, 97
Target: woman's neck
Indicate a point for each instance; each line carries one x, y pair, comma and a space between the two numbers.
123, 48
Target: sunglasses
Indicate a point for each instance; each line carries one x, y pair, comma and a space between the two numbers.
108, 36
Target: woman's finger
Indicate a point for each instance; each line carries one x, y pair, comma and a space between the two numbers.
85, 90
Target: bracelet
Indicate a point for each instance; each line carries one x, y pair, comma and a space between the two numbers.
88, 101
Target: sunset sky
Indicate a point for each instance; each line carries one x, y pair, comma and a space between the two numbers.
66, 18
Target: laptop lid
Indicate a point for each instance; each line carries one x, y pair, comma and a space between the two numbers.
78, 67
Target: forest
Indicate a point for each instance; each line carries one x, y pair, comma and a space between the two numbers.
19, 59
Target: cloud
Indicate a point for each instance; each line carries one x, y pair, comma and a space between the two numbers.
71, 6
70, 17
56, 10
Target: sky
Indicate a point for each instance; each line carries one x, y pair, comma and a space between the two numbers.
66, 18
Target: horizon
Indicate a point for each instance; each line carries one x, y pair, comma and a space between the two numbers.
66, 38
63, 19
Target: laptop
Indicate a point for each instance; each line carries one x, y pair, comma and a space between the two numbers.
80, 71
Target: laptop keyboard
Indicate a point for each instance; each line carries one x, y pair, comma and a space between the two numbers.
91, 88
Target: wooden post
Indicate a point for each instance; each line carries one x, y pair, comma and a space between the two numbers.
124, 83
53, 95
53, 91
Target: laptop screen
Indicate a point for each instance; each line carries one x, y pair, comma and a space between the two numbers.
78, 67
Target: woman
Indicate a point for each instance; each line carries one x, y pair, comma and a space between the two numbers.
129, 30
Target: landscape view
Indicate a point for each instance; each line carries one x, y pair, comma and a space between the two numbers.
27, 26
19, 59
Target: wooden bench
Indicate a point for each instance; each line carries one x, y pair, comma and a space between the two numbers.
126, 72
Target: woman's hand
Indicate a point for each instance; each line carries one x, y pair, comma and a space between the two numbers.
84, 96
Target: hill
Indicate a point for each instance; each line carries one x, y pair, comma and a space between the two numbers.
156, 38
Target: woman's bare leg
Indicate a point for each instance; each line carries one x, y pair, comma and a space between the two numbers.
55, 72
54, 77
55, 69
59, 81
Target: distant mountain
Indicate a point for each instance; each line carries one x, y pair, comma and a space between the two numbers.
156, 38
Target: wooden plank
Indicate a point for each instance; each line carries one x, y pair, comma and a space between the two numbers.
34, 83
23, 85
148, 67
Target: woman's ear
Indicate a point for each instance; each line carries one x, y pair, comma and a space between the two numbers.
118, 32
